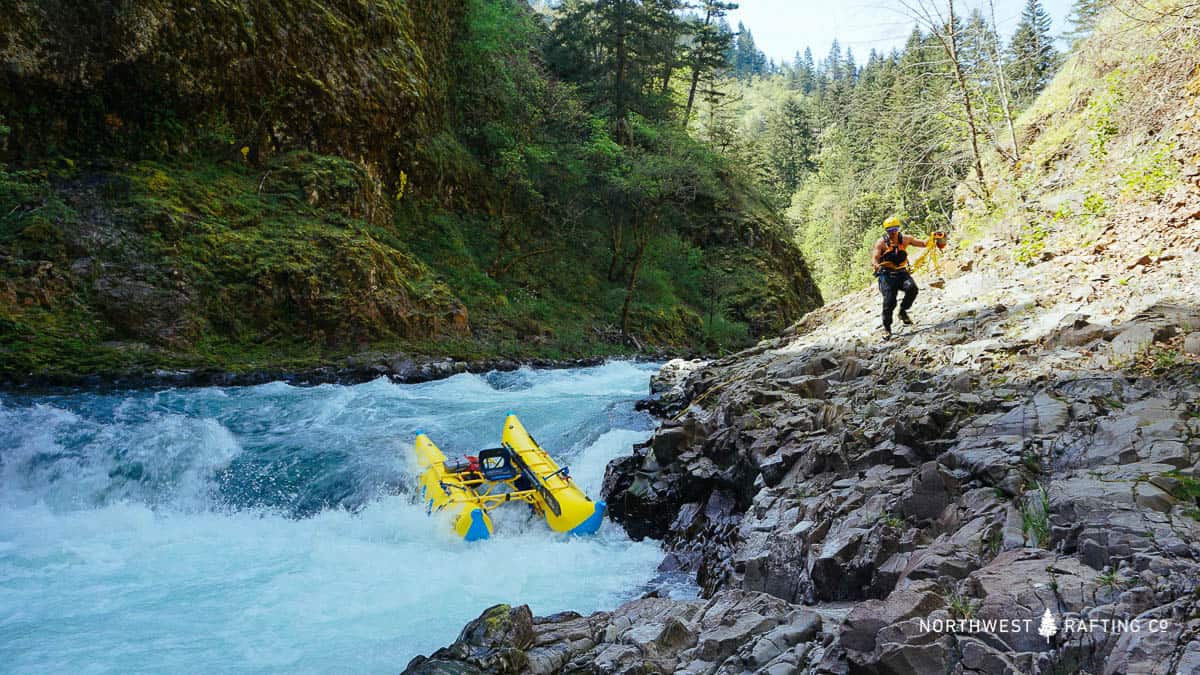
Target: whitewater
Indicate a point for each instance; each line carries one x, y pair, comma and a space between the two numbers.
273, 528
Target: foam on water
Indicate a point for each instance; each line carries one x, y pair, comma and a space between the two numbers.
271, 528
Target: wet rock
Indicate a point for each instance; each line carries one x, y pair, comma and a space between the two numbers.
495, 642
669, 389
647, 635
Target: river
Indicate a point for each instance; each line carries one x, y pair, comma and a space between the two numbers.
273, 528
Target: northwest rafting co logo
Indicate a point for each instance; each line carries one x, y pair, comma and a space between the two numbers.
1049, 626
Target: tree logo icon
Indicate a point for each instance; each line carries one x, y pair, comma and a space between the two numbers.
1049, 626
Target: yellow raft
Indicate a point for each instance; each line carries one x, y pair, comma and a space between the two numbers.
519, 470
453, 492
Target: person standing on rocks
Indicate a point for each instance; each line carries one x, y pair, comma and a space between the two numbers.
889, 261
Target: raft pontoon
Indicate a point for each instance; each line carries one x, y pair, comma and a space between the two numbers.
517, 471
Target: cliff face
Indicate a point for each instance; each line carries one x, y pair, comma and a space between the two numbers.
365, 79
1030, 445
208, 184
247, 184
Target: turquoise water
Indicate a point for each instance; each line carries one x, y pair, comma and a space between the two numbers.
272, 528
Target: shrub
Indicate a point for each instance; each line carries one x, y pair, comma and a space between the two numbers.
1152, 175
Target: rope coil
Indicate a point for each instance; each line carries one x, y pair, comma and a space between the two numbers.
933, 253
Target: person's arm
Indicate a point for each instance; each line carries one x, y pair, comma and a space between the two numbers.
913, 241
876, 255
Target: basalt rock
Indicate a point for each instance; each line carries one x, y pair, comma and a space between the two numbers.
910, 491
493, 643
734, 631
1011, 486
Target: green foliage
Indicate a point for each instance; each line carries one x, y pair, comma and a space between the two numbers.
1095, 206
1109, 581
962, 607
1101, 113
1031, 461
746, 60
1031, 243
1035, 517
618, 53
1152, 174
1084, 15
1185, 488
256, 214
361, 78
995, 540
843, 146
32, 216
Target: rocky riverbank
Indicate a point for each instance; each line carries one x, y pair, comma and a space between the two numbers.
1029, 447
399, 368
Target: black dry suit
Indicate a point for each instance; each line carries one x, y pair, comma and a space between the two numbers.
893, 278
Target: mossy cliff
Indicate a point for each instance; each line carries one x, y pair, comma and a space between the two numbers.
244, 184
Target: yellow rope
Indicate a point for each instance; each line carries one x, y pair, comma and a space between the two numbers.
933, 253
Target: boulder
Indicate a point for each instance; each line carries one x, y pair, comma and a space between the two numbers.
861, 628
932, 490
1191, 344
1132, 341
1020, 585
495, 643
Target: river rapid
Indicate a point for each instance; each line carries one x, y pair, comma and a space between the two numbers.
273, 528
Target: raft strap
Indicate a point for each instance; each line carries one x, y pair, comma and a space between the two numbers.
539, 485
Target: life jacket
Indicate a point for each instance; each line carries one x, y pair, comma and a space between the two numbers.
896, 255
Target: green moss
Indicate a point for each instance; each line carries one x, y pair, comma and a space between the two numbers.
264, 215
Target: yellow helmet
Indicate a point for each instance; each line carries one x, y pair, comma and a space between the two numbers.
891, 222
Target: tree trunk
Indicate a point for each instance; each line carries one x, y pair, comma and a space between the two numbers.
503, 242
687, 111
524, 256
632, 285
952, 52
616, 231
622, 50
1002, 80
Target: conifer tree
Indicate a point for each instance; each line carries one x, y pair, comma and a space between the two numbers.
1031, 52
1084, 14
804, 72
833, 62
619, 52
748, 60
664, 28
790, 143
711, 42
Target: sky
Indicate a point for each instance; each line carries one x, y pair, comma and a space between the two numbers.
783, 27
